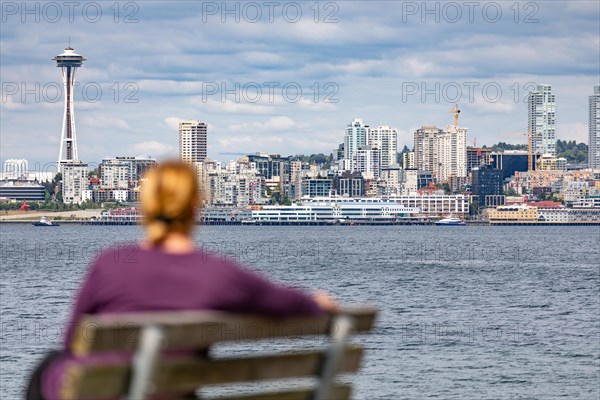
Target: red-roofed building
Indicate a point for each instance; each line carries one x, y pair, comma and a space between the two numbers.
431, 189
546, 204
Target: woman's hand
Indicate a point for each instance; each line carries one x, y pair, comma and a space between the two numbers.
325, 302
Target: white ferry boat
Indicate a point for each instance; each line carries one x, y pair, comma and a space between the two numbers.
450, 221
44, 221
335, 209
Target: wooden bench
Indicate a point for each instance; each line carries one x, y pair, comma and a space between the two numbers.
153, 374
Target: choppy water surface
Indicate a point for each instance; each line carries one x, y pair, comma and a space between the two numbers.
466, 312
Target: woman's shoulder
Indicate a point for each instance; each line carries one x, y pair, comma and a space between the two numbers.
119, 253
134, 252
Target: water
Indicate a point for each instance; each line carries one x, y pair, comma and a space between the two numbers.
466, 312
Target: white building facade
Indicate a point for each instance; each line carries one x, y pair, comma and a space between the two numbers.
192, 141
228, 188
74, 182
114, 174
393, 179
385, 139
357, 136
435, 205
542, 120
452, 153
426, 157
411, 182
594, 129
367, 161
442, 152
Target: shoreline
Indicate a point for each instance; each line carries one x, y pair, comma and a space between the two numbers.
305, 223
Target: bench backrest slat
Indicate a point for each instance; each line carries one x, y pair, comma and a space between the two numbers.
339, 392
181, 375
199, 329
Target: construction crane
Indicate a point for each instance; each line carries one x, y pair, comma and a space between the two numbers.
455, 111
530, 160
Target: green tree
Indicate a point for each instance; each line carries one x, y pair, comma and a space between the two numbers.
501, 146
571, 150
474, 208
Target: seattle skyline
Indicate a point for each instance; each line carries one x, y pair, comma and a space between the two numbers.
389, 75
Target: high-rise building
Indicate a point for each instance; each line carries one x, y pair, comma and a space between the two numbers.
367, 161
296, 178
477, 156
68, 62
271, 166
123, 172
442, 152
426, 148
487, 184
453, 153
228, 188
74, 181
114, 174
192, 141
385, 139
357, 136
594, 130
410, 184
408, 160
393, 177
542, 121
509, 161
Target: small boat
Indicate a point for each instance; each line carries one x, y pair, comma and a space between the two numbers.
44, 221
450, 221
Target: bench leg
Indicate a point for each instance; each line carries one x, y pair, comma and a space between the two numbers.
144, 362
344, 325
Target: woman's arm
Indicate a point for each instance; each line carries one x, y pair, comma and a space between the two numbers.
262, 296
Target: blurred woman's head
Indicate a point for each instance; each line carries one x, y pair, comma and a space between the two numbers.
169, 197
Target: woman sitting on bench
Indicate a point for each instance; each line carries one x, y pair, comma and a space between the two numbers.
167, 272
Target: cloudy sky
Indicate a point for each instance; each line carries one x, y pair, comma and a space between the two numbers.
303, 71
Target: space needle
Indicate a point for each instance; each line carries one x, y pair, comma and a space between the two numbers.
68, 61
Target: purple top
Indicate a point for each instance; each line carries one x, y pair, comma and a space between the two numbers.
129, 278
